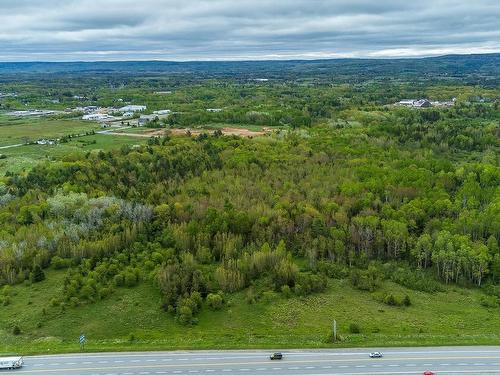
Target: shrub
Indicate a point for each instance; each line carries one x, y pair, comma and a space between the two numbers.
310, 283
37, 274
119, 280
286, 291
406, 300
415, 280
59, 263
185, 315
390, 300
130, 279
250, 296
215, 301
87, 292
490, 301
364, 280
354, 328
332, 270
16, 330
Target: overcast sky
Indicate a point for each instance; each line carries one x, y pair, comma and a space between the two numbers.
62, 30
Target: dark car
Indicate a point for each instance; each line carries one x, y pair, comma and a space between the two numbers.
276, 356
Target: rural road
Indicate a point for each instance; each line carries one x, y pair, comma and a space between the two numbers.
446, 360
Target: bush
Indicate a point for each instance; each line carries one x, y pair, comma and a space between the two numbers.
310, 283
59, 263
415, 280
406, 300
364, 280
490, 301
16, 330
354, 328
390, 300
333, 270
119, 280
250, 296
286, 291
130, 279
37, 274
185, 315
215, 301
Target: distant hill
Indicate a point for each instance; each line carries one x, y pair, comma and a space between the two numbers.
486, 66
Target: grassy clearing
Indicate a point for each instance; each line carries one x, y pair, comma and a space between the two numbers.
23, 158
16, 130
131, 319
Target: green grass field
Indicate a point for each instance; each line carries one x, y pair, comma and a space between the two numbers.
131, 319
15, 130
23, 158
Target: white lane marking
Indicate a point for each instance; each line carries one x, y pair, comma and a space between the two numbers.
151, 360
118, 361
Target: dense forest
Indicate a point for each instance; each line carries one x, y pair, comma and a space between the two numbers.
411, 196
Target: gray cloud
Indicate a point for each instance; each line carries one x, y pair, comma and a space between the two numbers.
244, 29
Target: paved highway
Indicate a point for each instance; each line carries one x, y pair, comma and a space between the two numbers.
457, 360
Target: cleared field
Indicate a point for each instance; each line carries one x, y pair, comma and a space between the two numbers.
17, 130
131, 319
25, 157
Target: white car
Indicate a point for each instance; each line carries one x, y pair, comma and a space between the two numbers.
376, 355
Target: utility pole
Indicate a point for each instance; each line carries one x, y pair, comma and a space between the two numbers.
334, 330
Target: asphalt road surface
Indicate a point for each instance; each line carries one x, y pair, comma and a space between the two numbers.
446, 360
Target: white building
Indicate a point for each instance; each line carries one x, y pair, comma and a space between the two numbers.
214, 109
132, 108
162, 112
98, 117
407, 102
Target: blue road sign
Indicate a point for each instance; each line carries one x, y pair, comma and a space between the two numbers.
82, 339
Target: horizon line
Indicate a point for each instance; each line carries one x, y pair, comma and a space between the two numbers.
409, 57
